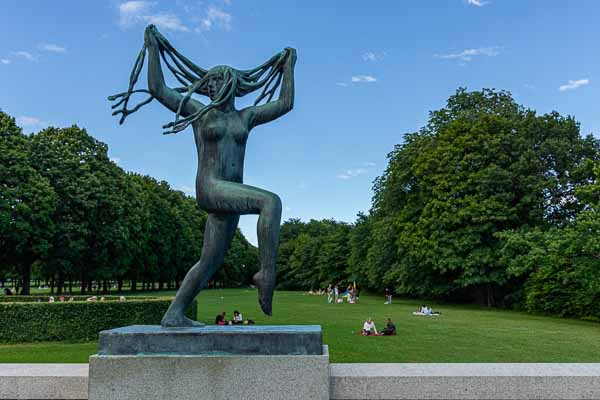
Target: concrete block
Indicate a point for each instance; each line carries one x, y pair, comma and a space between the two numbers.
187, 377
43, 381
465, 381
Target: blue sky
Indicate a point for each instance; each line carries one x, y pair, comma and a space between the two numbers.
366, 74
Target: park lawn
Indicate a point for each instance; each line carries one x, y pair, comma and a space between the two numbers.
460, 334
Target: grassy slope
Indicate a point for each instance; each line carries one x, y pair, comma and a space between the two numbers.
461, 334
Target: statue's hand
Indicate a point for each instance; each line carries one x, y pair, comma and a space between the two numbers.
149, 35
291, 54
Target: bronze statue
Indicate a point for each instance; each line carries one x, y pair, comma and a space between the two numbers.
220, 132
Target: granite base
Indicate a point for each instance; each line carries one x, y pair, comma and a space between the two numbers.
216, 340
192, 377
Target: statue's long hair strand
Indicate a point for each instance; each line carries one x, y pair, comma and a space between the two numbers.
194, 79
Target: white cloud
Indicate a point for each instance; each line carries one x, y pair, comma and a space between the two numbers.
168, 22
468, 54
25, 54
190, 191
137, 12
5, 61
215, 18
478, 3
116, 160
342, 84
364, 78
54, 48
26, 121
130, 12
352, 173
572, 85
373, 57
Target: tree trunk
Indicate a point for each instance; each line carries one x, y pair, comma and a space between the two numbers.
26, 279
83, 283
60, 284
134, 284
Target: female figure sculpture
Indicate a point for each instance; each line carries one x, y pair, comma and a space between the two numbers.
220, 133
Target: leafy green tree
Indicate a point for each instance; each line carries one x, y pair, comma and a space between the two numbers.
332, 260
313, 254
561, 265
482, 165
78, 168
27, 202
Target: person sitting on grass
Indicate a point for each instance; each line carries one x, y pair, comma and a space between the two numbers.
237, 318
220, 319
369, 328
390, 329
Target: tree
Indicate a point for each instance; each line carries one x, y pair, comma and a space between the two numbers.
27, 202
482, 165
561, 265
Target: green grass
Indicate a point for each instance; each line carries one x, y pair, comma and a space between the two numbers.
460, 334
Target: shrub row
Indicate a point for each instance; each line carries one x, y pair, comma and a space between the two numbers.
45, 298
32, 322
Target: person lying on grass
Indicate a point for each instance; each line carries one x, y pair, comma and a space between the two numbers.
424, 310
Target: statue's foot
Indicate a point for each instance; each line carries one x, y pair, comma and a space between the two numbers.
176, 320
266, 286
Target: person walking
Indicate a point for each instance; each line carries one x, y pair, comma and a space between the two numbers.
329, 294
388, 296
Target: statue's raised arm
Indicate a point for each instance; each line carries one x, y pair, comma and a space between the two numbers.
274, 109
168, 97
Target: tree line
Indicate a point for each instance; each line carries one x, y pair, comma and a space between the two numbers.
71, 217
489, 203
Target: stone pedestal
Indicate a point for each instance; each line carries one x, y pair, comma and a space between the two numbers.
210, 363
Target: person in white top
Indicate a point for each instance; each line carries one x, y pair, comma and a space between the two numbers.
369, 327
237, 318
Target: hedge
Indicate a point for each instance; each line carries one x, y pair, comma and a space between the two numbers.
45, 298
77, 320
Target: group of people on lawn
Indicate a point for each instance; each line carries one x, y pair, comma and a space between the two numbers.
238, 319
334, 296
369, 328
